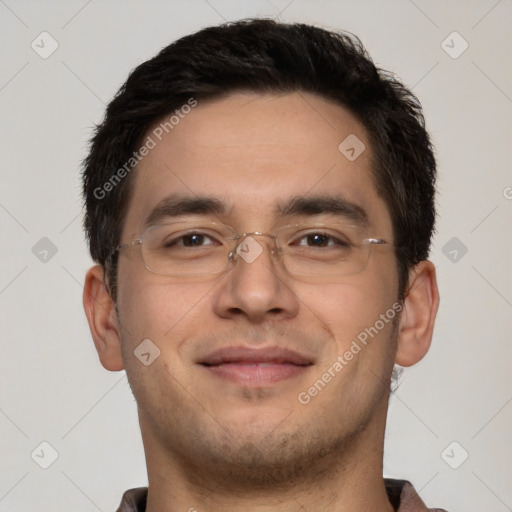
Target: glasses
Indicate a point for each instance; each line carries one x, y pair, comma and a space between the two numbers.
192, 248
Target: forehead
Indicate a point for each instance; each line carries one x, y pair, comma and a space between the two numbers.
254, 151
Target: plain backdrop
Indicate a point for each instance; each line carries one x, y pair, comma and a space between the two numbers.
450, 420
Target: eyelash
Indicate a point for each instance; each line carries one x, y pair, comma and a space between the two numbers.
331, 240
176, 241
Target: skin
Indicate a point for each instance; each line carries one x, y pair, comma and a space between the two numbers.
212, 444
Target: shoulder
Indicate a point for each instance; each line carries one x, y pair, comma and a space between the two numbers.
404, 497
134, 500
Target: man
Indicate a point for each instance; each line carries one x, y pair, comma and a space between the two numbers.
260, 203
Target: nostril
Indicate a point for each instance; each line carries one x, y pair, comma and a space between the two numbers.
236, 311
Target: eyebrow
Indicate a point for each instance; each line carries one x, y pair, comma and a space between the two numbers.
177, 205
324, 204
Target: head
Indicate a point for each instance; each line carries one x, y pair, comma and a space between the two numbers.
252, 114
264, 56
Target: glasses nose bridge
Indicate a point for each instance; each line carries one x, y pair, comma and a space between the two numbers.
251, 249
257, 233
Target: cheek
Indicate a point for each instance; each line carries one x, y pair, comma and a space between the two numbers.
350, 307
167, 314
152, 307
361, 325
359, 316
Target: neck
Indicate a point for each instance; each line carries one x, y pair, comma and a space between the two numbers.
346, 479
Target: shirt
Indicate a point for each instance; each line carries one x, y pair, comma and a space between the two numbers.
401, 495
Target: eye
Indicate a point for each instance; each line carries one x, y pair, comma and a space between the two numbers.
319, 239
192, 239
316, 240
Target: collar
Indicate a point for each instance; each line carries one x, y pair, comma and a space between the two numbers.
401, 494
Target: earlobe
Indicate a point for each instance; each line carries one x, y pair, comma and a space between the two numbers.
100, 312
418, 316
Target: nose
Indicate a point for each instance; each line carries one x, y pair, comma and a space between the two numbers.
256, 288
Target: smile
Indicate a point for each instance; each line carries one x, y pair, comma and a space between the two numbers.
256, 367
257, 374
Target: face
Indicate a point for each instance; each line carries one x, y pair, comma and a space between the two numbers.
247, 369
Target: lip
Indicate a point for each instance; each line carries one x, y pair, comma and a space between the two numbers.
255, 367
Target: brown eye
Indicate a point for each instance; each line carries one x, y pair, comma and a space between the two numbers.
317, 240
189, 240
193, 240
320, 240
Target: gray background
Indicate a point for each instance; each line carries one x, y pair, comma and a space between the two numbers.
53, 388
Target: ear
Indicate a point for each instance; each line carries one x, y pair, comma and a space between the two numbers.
418, 316
103, 323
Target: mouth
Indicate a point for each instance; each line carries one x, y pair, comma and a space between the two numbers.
256, 367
